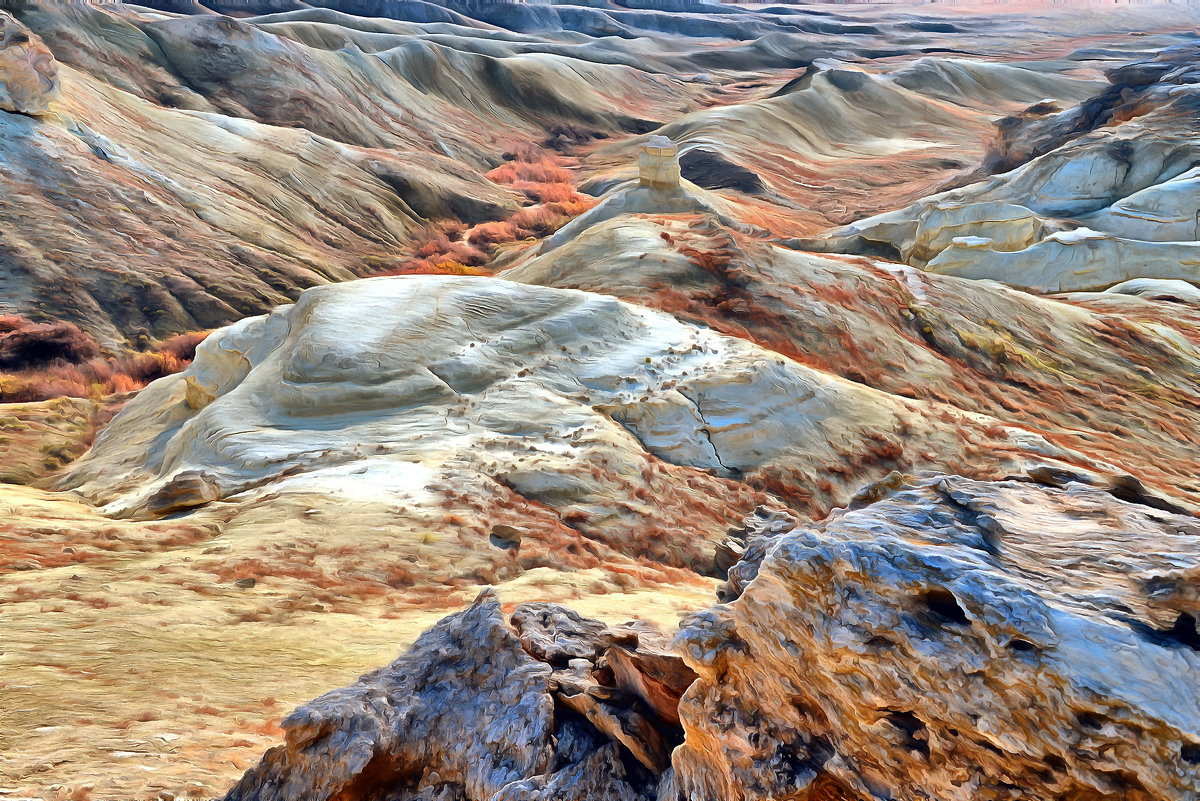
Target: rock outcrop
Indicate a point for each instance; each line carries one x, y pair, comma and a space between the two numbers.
1134, 89
658, 164
1065, 367
28, 72
569, 398
1098, 194
942, 639
545, 706
950, 640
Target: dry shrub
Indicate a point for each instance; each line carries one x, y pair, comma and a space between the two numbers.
523, 151
543, 171
450, 247
547, 192
493, 233
92, 377
25, 344
441, 250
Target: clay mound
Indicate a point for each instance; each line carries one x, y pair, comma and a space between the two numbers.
311, 145
398, 389
1078, 372
989, 85
193, 237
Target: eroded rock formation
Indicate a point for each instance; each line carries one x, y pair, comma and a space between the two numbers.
1064, 367
547, 706
942, 639
591, 424
954, 640
1101, 193
28, 72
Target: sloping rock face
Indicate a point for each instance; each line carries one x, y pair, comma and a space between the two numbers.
302, 153
482, 708
953, 639
1110, 196
28, 71
1077, 369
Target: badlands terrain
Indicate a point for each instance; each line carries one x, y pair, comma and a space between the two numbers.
624, 400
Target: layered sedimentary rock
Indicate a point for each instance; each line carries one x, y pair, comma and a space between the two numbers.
953, 639
296, 158
330, 479
1098, 194
1090, 373
341, 137
842, 141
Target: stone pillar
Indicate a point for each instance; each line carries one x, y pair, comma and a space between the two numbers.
658, 164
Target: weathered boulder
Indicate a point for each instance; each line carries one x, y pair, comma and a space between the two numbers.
28, 72
954, 640
481, 710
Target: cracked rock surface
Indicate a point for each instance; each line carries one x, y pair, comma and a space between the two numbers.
954, 639
473, 712
372, 390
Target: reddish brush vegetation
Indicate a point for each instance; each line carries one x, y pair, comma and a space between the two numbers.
48, 360
24, 343
26, 546
543, 171
449, 247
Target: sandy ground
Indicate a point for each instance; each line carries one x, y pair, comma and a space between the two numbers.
128, 670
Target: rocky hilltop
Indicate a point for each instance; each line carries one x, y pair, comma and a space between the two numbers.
763, 403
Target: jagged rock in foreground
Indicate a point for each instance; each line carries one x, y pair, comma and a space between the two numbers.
479, 709
942, 638
955, 639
